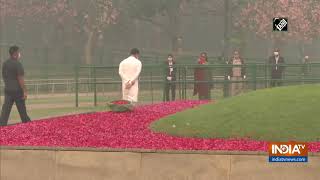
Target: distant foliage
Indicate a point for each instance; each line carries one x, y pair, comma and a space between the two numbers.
87, 18
99, 12
304, 18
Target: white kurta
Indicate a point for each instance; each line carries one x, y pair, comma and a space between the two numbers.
129, 70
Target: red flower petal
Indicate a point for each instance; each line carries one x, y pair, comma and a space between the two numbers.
120, 130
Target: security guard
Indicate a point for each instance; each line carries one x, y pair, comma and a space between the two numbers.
15, 90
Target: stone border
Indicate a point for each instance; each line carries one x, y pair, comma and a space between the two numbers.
259, 153
83, 165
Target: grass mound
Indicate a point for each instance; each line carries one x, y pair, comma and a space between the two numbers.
278, 114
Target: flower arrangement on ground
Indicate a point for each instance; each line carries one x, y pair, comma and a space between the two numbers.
120, 106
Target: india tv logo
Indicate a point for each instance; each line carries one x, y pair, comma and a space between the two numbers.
288, 152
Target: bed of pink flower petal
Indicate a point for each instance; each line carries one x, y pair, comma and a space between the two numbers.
121, 130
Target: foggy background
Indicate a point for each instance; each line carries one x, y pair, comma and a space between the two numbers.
201, 24
57, 35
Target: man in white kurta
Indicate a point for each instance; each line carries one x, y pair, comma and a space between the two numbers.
129, 71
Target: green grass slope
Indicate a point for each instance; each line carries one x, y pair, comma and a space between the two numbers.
278, 114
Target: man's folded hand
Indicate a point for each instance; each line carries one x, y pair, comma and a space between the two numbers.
128, 85
132, 82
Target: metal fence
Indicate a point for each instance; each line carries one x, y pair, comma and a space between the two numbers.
103, 82
153, 79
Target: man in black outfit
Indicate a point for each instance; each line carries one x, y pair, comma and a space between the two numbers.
15, 90
171, 77
277, 68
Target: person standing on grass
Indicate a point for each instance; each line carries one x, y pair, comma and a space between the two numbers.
276, 61
236, 73
171, 76
129, 71
202, 73
15, 89
306, 67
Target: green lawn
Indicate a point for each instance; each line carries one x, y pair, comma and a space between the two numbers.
279, 114
45, 106
55, 105
36, 114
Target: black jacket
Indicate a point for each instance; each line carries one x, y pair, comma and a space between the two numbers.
276, 71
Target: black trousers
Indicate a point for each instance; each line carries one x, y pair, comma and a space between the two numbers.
276, 77
9, 100
276, 81
172, 87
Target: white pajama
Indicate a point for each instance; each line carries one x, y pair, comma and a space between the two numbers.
129, 70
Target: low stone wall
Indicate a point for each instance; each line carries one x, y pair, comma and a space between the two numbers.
58, 164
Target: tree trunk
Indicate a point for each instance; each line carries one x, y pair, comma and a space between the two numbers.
227, 21
137, 32
176, 40
1, 36
158, 38
175, 44
175, 30
243, 43
88, 47
301, 51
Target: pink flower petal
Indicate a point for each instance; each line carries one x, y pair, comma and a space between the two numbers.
121, 130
